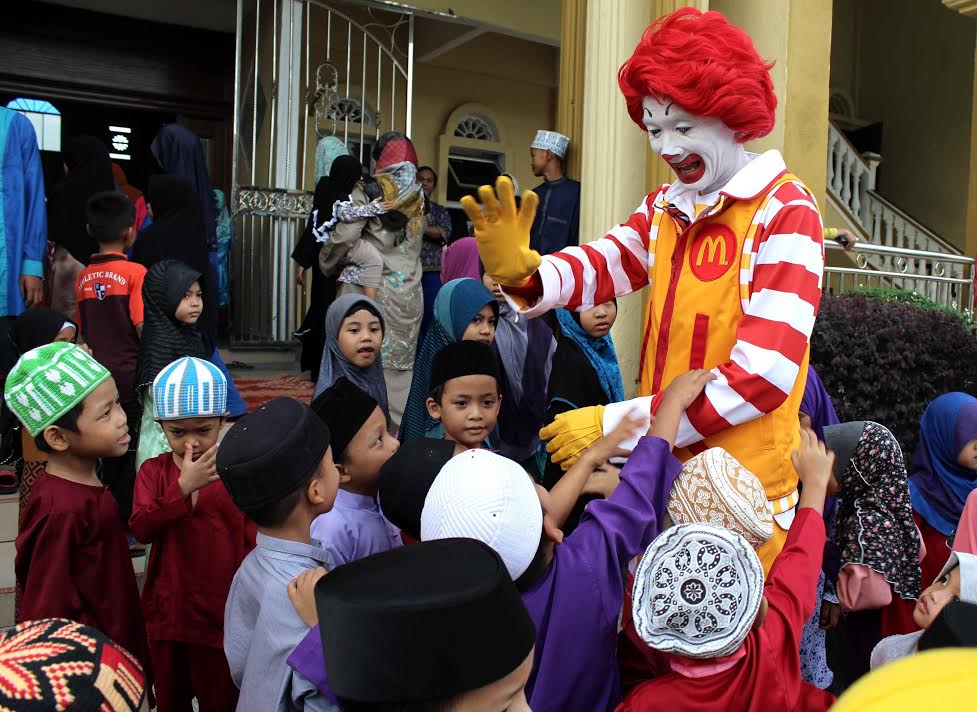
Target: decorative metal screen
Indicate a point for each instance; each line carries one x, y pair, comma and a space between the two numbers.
304, 70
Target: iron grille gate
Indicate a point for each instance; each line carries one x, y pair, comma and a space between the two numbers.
303, 70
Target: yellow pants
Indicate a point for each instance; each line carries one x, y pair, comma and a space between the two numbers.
769, 551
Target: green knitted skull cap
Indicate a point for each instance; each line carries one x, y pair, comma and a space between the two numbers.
50, 380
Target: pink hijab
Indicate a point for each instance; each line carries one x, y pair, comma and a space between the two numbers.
460, 259
965, 539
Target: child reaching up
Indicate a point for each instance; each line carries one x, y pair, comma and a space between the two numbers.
277, 466
173, 302
464, 399
72, 557
732, 642
355, 527
179, 504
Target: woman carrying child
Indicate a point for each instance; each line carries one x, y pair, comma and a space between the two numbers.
397, 236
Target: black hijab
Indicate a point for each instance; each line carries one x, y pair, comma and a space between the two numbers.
164, 339
342, 178
89, 172
36, 327
179, 153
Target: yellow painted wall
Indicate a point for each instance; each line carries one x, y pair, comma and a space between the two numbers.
529, 17
915, 73
514, 79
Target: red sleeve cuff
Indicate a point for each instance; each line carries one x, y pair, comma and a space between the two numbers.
531, 291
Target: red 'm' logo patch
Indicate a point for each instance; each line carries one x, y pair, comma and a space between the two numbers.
713, 252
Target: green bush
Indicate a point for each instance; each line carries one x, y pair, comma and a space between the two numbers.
883, 355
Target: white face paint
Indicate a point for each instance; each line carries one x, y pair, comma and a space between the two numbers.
701, 150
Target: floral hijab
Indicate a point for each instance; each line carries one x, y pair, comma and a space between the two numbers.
874, 521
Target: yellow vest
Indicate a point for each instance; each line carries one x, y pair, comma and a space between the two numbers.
695, 305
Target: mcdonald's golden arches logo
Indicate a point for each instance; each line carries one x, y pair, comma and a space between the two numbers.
713, 252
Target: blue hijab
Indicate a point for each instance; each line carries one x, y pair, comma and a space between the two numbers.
817, 404
179, 152
456, 305
939, 486
600, 352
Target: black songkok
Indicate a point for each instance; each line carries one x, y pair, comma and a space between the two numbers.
423, 622
954, 627
406, 478
270, 453
463, 358
345, 408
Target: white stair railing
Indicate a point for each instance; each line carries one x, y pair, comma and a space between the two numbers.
851, 176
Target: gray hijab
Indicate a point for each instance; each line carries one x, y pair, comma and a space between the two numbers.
334, 365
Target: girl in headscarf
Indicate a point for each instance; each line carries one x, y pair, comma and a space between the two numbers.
944, 473
328, 189
460, 259
88, 170
397, 236
585, 372
354, 332
463, 310
167, 334
525, 350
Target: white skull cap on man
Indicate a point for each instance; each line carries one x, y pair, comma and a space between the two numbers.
714, 488
484, 496
697, 591
552, 141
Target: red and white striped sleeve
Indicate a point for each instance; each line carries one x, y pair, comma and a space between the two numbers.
784, 293
580, 277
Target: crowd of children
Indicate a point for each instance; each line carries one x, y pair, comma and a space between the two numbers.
321, 556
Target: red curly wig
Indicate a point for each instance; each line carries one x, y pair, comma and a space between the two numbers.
707, 66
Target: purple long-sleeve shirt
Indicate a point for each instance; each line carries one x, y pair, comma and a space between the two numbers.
575, 605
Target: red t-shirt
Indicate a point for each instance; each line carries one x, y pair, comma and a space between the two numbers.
73, 562
768, 676
110, 306
194, 555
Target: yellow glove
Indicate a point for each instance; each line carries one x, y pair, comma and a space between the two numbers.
573, 432
503, 232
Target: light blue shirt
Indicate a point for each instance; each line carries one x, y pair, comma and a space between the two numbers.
354, 527
261, 628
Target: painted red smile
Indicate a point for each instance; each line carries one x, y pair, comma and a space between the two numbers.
690, 169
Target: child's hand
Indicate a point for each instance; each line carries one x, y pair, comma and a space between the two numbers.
610, 445
199, 474
814, 463
603, 481
686, 388
301, 592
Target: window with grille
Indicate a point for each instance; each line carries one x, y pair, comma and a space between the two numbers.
45, 118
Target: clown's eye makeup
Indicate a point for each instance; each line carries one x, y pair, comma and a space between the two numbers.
683, 130
654, 133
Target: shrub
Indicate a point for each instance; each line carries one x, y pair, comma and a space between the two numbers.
885, 357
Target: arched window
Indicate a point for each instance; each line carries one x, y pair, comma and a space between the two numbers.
45, 118
346, 108
475, 126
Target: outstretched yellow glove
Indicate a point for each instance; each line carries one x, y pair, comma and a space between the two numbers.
573, 432
503, 232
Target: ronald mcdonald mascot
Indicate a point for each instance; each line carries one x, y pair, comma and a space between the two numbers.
731, 253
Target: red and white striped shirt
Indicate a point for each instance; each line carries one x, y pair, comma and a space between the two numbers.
780, 288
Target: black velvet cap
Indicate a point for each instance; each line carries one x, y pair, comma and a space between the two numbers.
270, 453
422, 622
344, 407
463, 358
406, 478
954, 627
